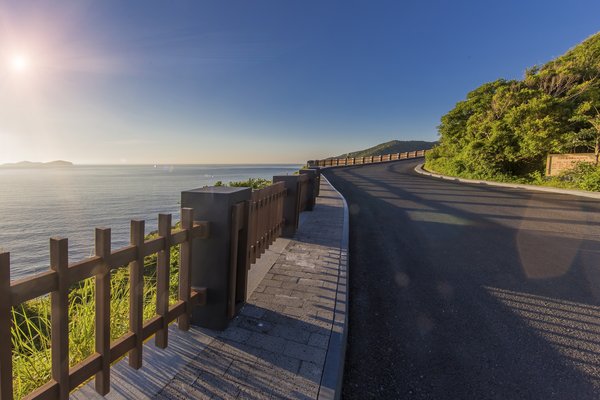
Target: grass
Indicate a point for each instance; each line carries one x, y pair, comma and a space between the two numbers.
31, 322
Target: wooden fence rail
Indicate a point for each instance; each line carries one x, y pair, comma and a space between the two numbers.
62, 275
334, 162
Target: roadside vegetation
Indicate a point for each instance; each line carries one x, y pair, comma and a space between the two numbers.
505, 129
254, 183
31, 322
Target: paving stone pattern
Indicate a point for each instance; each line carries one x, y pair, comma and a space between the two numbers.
276, 347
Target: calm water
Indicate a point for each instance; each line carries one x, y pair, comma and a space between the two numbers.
36, 204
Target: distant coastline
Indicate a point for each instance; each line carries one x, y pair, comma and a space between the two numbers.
30, 164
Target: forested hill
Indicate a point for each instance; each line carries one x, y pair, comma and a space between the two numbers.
393, 146
506, 128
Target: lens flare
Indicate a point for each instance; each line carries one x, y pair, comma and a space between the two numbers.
19, 63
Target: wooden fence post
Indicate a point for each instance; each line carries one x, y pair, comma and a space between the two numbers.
6, 373
185, 268
292, 201
59, 303
236, 291
102, 381
136, 292
163, 266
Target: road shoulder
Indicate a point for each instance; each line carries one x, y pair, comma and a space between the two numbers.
581, 193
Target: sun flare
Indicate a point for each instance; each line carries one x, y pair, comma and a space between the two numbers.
19, 63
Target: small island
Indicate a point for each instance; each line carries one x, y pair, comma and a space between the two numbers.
30, 164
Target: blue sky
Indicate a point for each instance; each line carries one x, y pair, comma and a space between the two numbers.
256, 81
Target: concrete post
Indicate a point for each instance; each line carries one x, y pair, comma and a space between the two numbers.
212, 261
312, 187
291, 203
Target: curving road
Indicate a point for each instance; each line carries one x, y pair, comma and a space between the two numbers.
469, 292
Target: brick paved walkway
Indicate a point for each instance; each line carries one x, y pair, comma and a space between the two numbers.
277, 346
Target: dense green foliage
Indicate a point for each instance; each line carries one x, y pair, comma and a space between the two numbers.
584, 176
505, 129
254, 183
394, 146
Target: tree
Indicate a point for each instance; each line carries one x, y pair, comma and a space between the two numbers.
506, 128
589, 137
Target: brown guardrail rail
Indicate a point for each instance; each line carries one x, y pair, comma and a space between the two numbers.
335, 162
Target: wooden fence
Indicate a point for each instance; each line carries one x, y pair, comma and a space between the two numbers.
256, 223
62, 275
265, 219
334, 162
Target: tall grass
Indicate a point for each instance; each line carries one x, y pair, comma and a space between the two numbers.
31, 322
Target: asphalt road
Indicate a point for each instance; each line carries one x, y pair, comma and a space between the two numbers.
469, 292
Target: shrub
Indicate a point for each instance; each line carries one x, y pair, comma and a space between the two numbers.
584, 176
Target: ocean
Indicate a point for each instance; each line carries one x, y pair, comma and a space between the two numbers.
36, 204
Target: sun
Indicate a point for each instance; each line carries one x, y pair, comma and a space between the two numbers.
19, 63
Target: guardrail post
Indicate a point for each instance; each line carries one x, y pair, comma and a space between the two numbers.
162, 279
312, 187
102, 380
292, 202
136, 292
59, 303
211, 264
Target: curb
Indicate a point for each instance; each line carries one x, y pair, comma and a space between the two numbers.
330, 387
581, 193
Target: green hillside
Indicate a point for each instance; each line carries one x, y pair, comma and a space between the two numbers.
504, 129
393, 146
